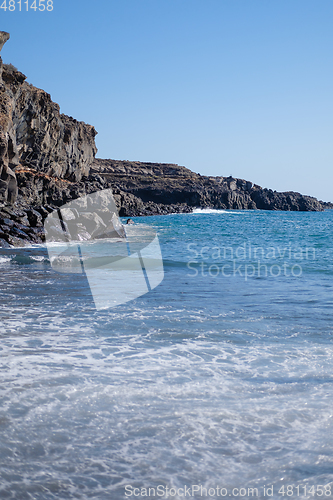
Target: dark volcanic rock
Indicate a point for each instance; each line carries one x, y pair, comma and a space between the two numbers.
8, 184
171, 188
138, 189
39, 147
4, 36
327, 205
20, 225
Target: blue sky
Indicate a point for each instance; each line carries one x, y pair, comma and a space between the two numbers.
224, 87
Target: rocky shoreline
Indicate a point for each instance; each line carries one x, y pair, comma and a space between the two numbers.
139, 189
168, 185
48, 159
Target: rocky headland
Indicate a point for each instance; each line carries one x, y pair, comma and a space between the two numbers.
48, 158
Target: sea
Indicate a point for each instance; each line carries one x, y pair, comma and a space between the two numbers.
216, 383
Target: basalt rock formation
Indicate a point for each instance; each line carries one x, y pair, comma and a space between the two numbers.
168, 185
38, 144
8, 184
48, 159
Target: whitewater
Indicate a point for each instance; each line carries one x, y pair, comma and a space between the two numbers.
217, 383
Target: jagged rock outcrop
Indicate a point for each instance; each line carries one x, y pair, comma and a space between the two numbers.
8, 184
39, 146
4, 37
142, 189
168, 185
21, 225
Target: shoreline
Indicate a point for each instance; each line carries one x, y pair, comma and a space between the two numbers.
21, 226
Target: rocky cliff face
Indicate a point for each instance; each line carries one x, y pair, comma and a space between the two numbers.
8, 184
39, 146
168, 187
47, 160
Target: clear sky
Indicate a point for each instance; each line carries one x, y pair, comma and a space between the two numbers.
224, 87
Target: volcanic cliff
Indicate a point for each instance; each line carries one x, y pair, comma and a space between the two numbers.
48, 158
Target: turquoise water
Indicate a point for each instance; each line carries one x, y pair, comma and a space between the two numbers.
220, 378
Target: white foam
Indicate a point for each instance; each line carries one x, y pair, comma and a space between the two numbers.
38, 258
214, 211
3, 260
